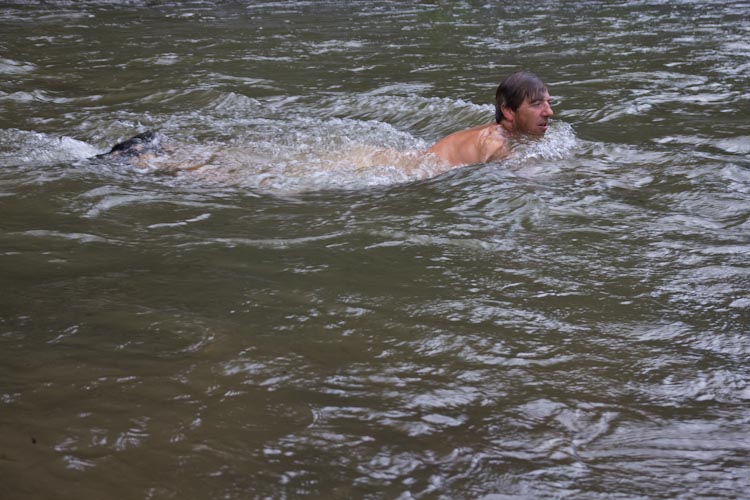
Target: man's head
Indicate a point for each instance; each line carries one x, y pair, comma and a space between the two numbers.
522, 104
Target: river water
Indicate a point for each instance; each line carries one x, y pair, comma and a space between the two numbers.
278, 309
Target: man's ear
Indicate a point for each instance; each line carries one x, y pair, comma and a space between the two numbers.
508, 114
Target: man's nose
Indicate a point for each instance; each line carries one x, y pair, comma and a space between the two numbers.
548, 110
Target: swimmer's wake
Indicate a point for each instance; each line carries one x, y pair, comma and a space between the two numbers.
294, 167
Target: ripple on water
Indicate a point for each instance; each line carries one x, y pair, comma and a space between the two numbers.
570, 322
738, 145
11, 67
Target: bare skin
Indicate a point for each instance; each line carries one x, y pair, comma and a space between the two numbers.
481, 144
490, 142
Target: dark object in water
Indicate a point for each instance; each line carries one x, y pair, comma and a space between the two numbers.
148, 142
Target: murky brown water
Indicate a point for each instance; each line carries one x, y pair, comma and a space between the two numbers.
298, 317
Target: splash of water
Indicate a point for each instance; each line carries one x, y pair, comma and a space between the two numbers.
339, 154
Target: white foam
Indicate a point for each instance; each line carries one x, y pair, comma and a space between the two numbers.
34, 148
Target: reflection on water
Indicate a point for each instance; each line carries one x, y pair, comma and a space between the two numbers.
281, 307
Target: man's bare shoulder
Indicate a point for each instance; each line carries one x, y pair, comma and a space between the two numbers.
493, 142
475, 145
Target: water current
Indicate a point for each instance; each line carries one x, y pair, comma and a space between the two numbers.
279, 309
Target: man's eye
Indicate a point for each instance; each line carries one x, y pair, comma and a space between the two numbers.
541, 103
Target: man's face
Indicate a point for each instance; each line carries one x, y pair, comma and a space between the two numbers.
532, 116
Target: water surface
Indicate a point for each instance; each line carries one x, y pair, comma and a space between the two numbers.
298, 316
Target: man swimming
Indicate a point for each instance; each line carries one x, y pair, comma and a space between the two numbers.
522, 108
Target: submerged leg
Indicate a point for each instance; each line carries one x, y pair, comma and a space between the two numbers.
151, 150
146, 143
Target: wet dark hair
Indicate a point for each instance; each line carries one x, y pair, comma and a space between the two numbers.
514, 89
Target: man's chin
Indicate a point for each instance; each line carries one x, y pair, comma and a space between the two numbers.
537, 132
